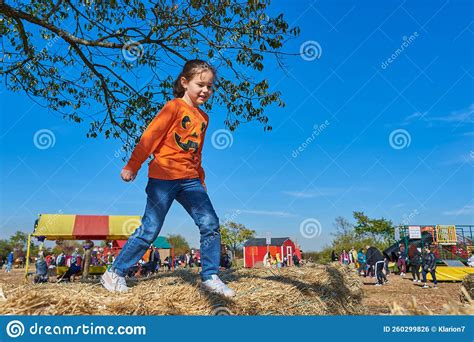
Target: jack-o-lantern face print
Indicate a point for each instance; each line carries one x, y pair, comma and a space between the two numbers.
187, 137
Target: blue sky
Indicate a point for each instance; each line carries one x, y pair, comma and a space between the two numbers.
352, 93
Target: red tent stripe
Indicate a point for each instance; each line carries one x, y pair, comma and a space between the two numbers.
91, 226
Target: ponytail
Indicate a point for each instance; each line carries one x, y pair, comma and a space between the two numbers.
178, 90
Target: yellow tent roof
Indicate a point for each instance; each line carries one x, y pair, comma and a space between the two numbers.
83, 227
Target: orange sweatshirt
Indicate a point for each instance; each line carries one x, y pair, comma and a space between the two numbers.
175, 138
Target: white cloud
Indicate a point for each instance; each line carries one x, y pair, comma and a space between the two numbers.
268, 213
466, 210
460, 159
412, 117
323, 192
301, 194
465, 116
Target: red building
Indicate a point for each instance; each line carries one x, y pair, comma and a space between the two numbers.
256, 249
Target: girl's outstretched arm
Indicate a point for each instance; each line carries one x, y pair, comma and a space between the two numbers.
152, 137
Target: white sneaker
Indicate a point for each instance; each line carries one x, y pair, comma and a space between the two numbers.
414, 280
113, 282
217, 286
378, 284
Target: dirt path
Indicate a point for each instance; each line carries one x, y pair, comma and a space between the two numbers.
378, 299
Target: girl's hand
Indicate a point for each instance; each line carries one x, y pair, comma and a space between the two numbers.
128, 175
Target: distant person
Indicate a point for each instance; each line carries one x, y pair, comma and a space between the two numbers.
414, 260
334, 256
402, 260
375, 259
273, 261
385, 265
353, 256
61, 260
296, 261
151, 265
278, 260
87, 258
9, 262
226, 257
344, 258
74, 268
41, 275
267, 260
429, 266
362, 262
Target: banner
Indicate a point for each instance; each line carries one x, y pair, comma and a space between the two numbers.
235, 328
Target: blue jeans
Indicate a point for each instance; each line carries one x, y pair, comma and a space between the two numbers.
9, 267
433, 276
193, 197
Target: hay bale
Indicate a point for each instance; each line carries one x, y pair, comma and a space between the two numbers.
310, 290
414, 309
467, 289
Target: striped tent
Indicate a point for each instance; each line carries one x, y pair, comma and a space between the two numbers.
84, 227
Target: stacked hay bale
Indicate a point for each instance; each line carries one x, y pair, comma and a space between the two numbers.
310, 290
465, 307
414, 309
467, 289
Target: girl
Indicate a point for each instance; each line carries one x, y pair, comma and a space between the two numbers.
414, 258
428, 266
344, 258
175, 137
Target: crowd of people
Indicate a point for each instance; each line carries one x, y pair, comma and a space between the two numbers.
276, 261
76, 262
370, 262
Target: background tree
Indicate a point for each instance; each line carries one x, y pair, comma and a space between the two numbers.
122, 57
235, 234
66, 246
19, 240
344, 229
378, 229
347, 235
179, 243
5, 248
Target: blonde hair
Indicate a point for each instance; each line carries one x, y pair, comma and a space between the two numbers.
190, 69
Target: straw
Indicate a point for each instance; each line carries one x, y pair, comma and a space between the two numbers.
309, 290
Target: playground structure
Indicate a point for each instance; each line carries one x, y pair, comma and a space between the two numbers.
451, 244
86, 227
